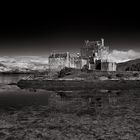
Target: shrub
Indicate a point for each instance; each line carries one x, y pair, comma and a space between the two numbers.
119, 75
136, 75
109, 77
85, 68
65, 71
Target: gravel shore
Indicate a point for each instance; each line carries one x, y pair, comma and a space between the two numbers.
112, 116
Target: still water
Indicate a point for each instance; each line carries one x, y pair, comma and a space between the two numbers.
13, 96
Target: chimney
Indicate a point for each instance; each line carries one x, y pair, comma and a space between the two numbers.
102, 41
86, 41
68, 59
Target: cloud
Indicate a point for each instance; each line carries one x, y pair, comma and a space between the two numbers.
24, 59
24, 62
122, 56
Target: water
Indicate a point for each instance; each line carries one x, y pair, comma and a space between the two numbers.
13, 97
40, 114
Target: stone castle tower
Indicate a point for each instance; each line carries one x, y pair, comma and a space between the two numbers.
95, 55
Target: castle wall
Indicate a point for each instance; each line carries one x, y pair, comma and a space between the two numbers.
92, 66
60, 60
112, 66
108, 66
104, 66
83, 62
58, 63
75, 62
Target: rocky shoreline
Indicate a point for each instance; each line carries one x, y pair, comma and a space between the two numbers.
68, 79
79, 84
75, 119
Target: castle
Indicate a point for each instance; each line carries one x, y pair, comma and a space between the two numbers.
60, 60
94, 55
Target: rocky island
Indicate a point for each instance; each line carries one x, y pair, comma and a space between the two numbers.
72, 79
89, 69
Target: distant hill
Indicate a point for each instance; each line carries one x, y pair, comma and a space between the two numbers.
132, 65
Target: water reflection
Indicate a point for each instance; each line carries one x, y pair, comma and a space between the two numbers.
88, 102
81, 101
85, 102
24, 98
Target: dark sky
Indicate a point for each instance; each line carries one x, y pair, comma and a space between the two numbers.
40, 33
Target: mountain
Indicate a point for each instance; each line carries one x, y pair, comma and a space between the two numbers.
23, 63
132, 65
